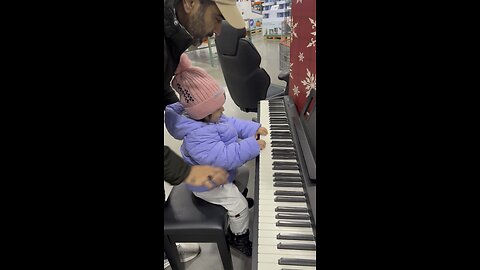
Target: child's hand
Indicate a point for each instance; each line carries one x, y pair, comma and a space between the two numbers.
261, 143
261, 131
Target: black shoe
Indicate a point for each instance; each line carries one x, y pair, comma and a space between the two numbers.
240, 242
250, 201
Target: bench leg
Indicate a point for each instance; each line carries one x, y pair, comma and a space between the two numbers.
172, 254
224, 250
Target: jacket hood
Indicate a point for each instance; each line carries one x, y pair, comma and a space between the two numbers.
178, 125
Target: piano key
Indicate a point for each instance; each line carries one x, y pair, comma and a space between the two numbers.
289, 193
288, 223
273, 258
274, 250
292, 209
276, 266
269, 213
279, 127
265, 239
276, 137
285, 167
289, 199
284, 163
285, 132
295, 236
269, 189
280, 143
273, 227
296, 246
292, 216
287, 179
284, 158
296, 261
287, 184
279, 174
275, 204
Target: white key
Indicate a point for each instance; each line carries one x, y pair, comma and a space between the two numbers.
272, 227
276, 266
270, 249
271, 258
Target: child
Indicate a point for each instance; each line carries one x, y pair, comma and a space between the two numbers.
211, 138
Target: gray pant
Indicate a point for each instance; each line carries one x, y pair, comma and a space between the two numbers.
231, 199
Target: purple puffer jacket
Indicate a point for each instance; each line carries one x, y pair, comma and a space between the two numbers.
215, 144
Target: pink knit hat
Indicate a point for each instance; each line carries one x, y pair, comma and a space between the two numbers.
200, 94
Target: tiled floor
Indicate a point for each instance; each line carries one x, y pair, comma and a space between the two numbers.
209, 258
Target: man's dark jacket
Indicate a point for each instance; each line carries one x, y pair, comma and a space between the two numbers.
176, 41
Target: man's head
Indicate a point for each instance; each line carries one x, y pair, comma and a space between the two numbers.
203, 18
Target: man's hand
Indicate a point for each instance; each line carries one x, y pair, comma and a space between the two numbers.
202, 175
261, 131
261, 143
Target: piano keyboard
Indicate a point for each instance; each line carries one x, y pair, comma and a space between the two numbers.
285, 238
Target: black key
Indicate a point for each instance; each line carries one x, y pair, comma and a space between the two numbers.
291, 209
295, 236
281, 127
287, 184
285, 167
293, 163
283, 157
300, 262
293, 216
287, 179
288, 223
285, 154
278, 114
289, 199
295, 246
282, 143
276, 101
280, 137
286, 174
278, 122
284, 151
289, 193
281, 132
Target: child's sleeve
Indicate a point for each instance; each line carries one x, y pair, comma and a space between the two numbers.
214, 152
245, 128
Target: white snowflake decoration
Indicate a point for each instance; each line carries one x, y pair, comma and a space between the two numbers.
301, 57
313, 40
310, 82
291, 65
293, 26
295, 90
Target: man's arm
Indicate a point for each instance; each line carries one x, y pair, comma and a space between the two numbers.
175, 170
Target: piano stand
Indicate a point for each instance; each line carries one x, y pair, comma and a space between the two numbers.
190, 219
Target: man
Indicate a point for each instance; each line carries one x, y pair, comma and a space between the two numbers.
186, 23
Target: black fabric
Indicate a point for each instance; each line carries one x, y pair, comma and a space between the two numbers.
241, 242
247, 82
176, 41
